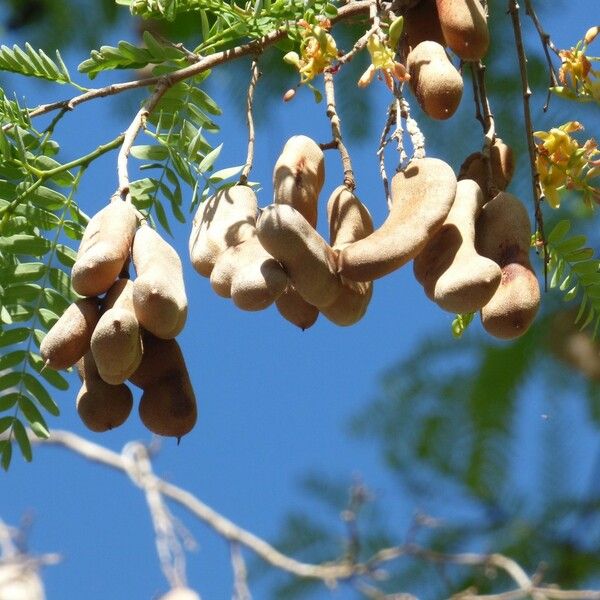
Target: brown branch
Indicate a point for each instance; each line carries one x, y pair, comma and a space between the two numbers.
349, 180
255, 74
208, 62
513, 9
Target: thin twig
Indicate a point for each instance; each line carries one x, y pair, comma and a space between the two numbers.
139, 121
547, 44
255, 74
349, 180
417, 138
240, 574
489, 125
513, 9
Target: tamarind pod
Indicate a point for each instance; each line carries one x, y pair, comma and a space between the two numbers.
502, 166
435, 82
223, 220
159, 299
168, 404
422, 195
295, 309
298, 176
464, 26
451, 271
249, 275
101, 406
349, 221
104, 248
503, 234
306, 257
69, 339
422, 23
116, 342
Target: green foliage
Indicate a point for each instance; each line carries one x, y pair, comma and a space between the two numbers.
575, 272
33, 63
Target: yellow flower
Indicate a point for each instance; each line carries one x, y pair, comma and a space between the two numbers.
382, 59
562, 163
579, 79
317, 51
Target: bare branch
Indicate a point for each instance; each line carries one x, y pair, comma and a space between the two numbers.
240, 575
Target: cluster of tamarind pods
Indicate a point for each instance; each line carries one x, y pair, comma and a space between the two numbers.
470, 248
125, 329
431, 26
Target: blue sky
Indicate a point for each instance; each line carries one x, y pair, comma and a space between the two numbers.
273, 401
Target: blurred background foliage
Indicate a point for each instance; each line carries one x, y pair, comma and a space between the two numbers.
448, 419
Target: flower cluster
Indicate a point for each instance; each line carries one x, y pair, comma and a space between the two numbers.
382, 59
563, 164
579, 80
317, 51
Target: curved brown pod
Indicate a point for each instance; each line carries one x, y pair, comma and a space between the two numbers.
464, 26
101, 406
295, 309
69, 338
434, 80
503, 234
449, 268
104, 248
116, 342
421, 23
502, 166
168, 403
159, 298
306, 256
223, 220
422, 195
349, 221
298, 176
249, 275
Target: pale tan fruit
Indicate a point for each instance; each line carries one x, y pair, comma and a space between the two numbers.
225, 219
249, 275
298, 176
69, 338
116, 342
180, 593
449, 268
104, 248
305, 255
168, 404
422, 23
159, 299
465, 29
422, 195
101, 406
295, 309
349, 221
503, 234
434, 80
502, 166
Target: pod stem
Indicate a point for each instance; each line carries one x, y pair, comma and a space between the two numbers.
485, 116
513, 9
255, 74
383, 142
417, 139
349, 180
